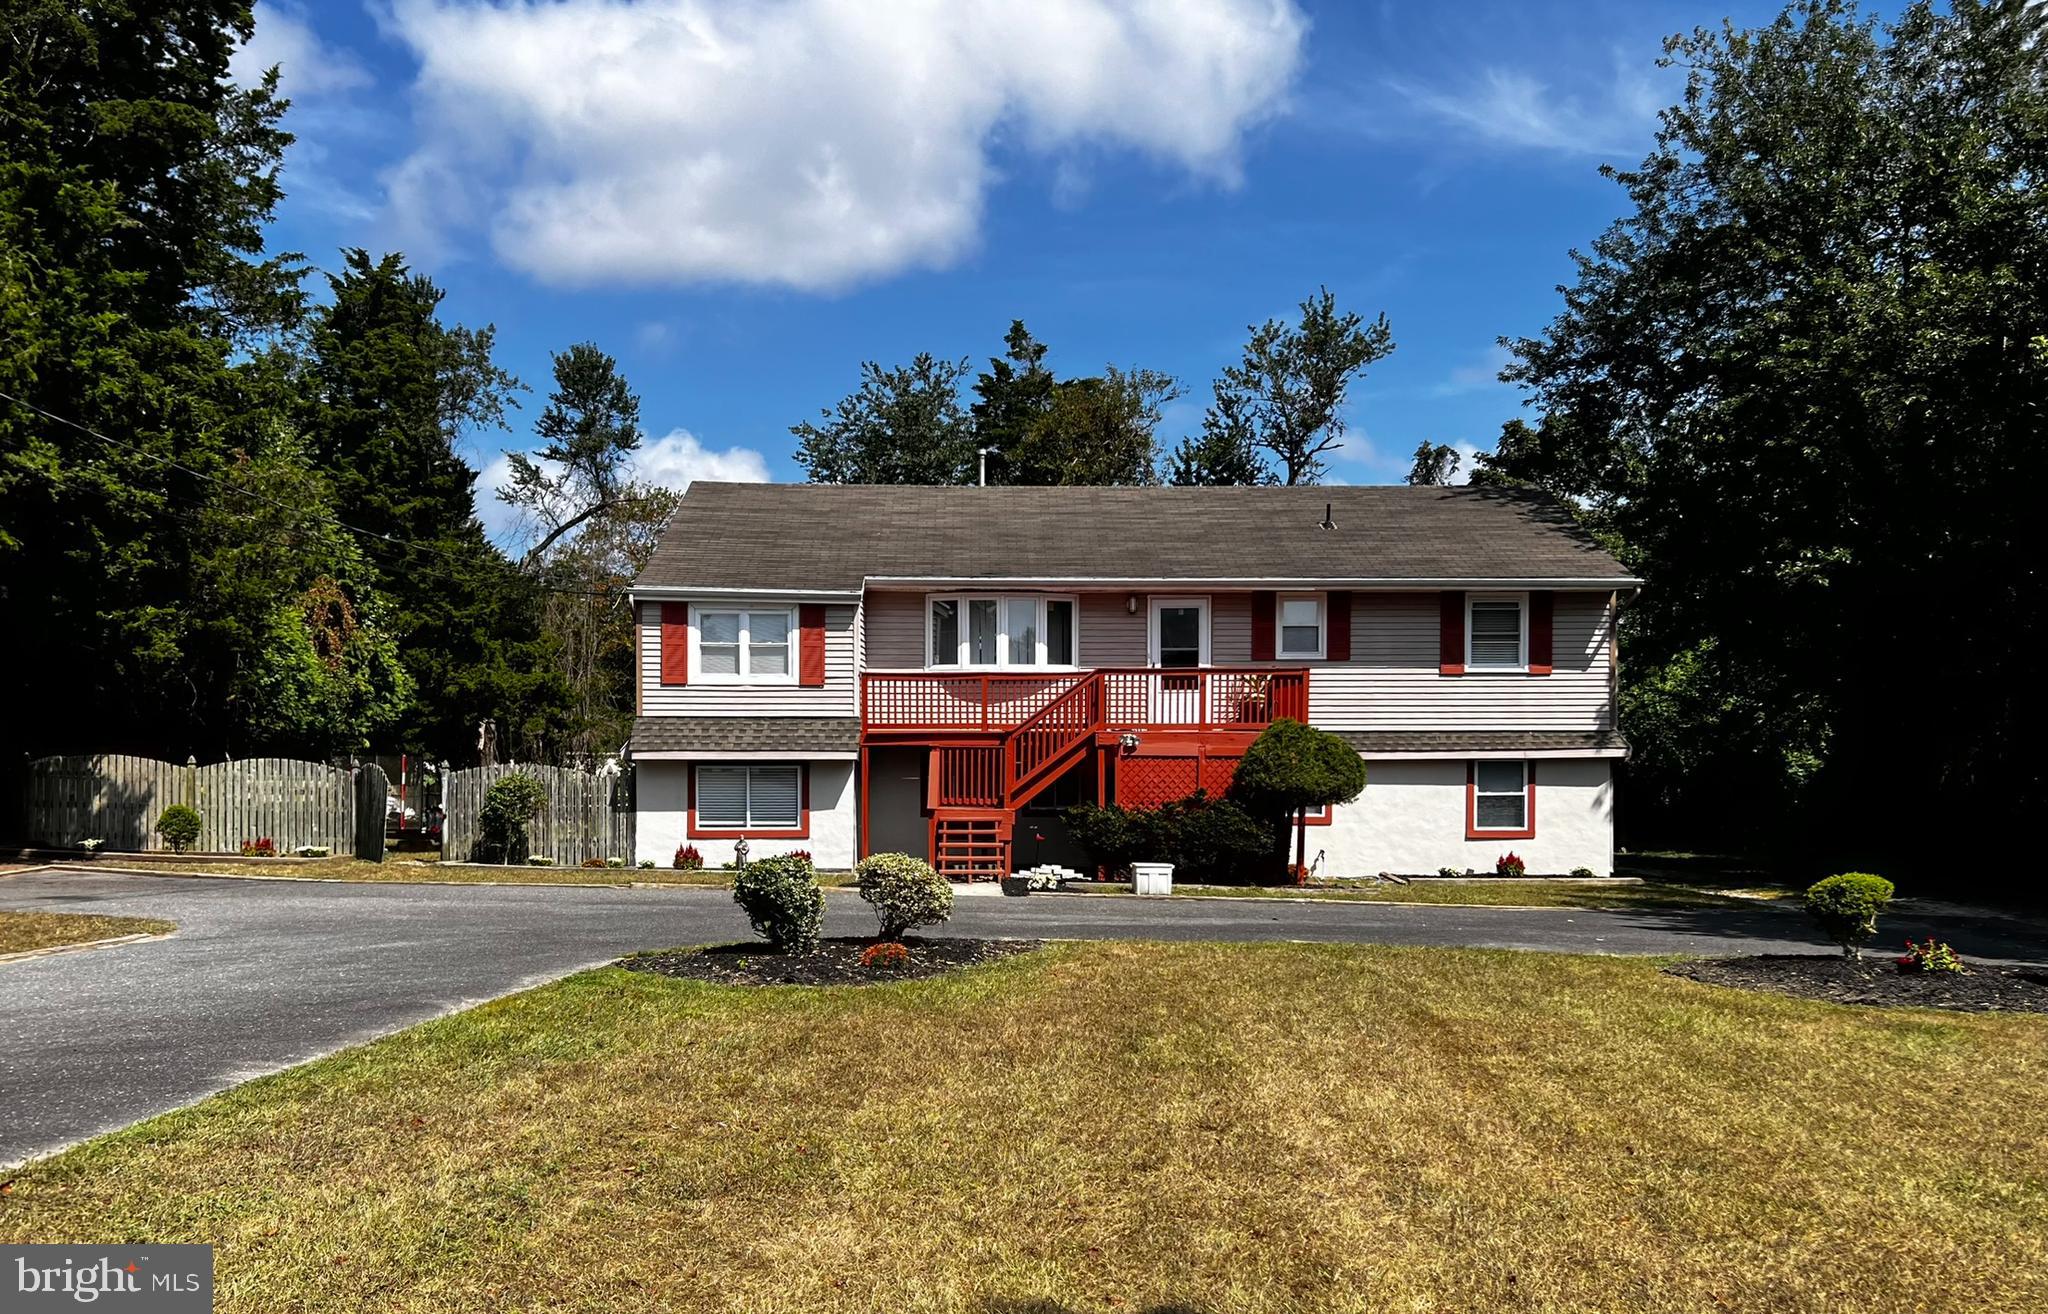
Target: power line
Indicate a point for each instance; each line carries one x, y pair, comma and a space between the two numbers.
375, 536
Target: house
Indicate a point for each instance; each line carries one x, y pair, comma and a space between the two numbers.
939, 671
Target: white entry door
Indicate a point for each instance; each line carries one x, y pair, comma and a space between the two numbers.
1179, 640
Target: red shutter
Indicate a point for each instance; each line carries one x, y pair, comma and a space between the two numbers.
810, 624
1263, 607
1450, 653
1338, 636
675, 643
1540, 608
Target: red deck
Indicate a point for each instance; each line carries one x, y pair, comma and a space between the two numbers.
998, 740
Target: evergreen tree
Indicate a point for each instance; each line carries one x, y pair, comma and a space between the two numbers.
903, 426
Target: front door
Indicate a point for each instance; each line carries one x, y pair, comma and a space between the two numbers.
1179, 641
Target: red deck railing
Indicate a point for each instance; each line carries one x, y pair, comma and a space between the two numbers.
1132, 698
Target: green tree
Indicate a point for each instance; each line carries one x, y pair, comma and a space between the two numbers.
1223, 453
1094, 431
1286, 397
391, 393
1798, 384
1435, 463
135, 180
1016, 393
902, 426
1291, 768
589, 430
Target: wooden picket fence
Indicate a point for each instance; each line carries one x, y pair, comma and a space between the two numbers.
588, 814
117, 799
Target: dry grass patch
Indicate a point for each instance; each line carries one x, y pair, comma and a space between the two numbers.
23, 931
1116, 1127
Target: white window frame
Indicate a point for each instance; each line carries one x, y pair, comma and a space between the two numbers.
1155, 605
1322, 648
1520, 792
747, 612
1521, 666
1002, 661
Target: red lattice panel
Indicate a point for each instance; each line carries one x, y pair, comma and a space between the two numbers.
1148, 782
1216, 774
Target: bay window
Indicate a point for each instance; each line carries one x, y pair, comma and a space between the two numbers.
1001, 632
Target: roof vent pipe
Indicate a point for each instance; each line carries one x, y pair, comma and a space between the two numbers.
1327, 522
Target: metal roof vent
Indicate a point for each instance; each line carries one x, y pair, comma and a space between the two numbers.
1327, 522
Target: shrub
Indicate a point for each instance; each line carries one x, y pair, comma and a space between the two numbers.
615, 863
1584, 873
1449, 873
646, 864
905, 892
1846, 906
540, 860
312, 851
886, 956
595, 864
265, 847
510, 805
1509, 864
1933, 956
782, 901
688, 859
179, 825
1207, 840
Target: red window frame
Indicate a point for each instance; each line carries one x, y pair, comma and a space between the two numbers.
803, 813
1472, 827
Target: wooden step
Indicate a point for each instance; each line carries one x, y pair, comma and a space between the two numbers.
972, 844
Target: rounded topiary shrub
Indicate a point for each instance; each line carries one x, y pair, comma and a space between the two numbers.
1846, 906
782, 901
905, 892
179, 825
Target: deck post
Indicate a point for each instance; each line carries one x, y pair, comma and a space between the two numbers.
860, 785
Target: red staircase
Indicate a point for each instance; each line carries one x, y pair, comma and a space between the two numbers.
977, 788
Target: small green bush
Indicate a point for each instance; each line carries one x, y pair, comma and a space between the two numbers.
179, 825
1584, 873
540, 860
1448, 873
905, 892
1846, 906
615, 863
646, 864
510, 805
782, 901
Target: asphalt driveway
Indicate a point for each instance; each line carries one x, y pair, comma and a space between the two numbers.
265, 974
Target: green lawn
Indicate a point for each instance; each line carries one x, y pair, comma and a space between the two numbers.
1116, 1127
22, 931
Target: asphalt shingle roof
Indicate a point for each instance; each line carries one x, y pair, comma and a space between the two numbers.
746, 734
832, 537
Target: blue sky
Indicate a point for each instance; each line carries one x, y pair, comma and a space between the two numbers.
743, 201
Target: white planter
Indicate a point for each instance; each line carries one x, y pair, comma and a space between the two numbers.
1152, 878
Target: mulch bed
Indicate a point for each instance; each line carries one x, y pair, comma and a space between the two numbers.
835, 962
1839, 980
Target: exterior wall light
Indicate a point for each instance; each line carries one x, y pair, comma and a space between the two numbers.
1131, 605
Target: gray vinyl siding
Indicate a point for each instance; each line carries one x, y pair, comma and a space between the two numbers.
1390, 683
836, 697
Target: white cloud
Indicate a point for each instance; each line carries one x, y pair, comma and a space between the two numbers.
810, 143
674, 460
306, 65
1478, 376
1515, 110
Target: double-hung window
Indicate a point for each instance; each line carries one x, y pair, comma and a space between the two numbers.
744, 645
764, 797
1302, 625
1497, 632
1001, 632
1500, 800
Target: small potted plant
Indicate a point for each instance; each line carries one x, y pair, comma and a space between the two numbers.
1509, 864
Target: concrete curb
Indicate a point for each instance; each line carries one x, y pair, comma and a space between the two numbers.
51, 951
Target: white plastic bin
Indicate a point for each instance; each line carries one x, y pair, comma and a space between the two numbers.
1152, 878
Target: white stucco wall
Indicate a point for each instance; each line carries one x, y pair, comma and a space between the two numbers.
662, 790
1411, 820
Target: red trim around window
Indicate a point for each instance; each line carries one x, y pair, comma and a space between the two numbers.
1313, 820
803, 790
1472, 830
